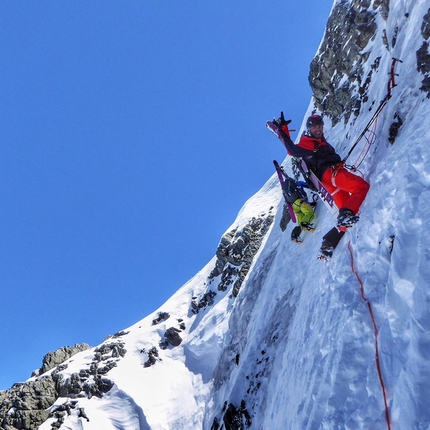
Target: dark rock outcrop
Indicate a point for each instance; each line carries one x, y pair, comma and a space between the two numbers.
236, 252
205, 300
25, 405
109, 350
394, 128
236, 418
54, 358
349, 29
423, 55
162, 316
59, 412
172, 336
152, 355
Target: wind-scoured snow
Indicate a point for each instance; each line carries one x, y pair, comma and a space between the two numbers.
297, 344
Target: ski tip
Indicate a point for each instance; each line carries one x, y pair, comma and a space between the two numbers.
272, 127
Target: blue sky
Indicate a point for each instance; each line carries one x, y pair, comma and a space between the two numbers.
131, 134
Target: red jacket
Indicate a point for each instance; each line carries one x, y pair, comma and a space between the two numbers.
318, 154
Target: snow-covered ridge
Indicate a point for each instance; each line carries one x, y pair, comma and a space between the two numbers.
293, 345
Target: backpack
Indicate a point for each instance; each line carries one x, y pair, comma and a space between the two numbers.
290, 191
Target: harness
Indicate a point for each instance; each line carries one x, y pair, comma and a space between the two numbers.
334, 171
316, 145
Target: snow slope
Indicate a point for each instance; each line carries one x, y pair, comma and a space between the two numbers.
297, 346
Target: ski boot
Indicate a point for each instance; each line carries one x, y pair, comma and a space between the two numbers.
295, 235
307, 226
346, 218
326, 250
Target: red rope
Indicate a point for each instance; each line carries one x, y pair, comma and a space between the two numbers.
375, 331
370, 140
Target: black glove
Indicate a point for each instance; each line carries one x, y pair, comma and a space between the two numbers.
281, 120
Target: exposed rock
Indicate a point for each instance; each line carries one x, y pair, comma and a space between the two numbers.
162, 316
423, 66
423, 55
383, 6
60, 411
97, 386
109, 350
25, 405
394, 128
228, 276
222, 253
28, 420
391, 243
206, 300
237, 418
70, 387
82, 414
54, 358
236, 251
423, 59
425, 26
215, 424
172, 336
120, 333
152, 357
336, 73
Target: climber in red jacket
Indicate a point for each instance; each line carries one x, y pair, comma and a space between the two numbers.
348, 190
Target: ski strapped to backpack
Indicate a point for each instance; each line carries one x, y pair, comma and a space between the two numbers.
282, 176
316, 185
294, 194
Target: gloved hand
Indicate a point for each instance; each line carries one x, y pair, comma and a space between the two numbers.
284, 124
282, 120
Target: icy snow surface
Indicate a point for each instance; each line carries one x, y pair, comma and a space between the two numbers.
297, 344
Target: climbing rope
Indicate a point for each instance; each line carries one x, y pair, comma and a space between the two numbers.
375, 331
370, 139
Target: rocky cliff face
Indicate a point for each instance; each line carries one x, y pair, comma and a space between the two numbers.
338, 78
337, 71
25, 405
423, 56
